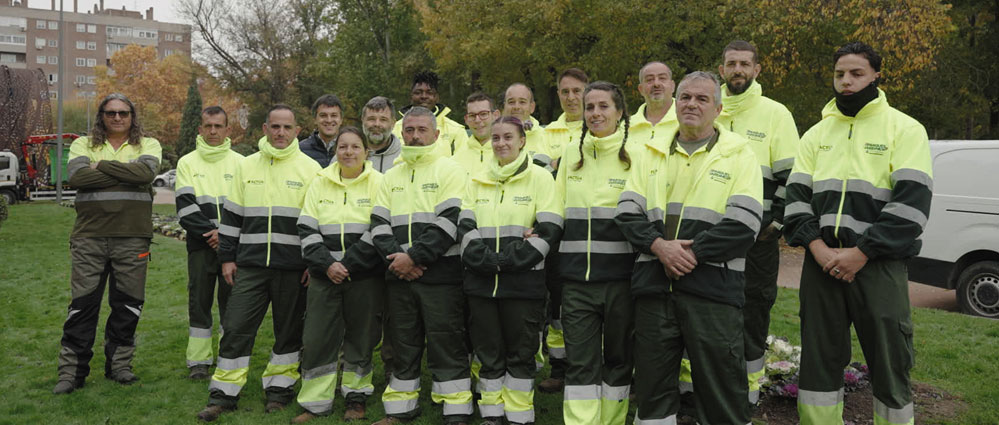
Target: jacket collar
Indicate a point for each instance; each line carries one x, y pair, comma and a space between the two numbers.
875, 107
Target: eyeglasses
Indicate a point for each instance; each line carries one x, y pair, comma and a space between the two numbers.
111, 114
484, 115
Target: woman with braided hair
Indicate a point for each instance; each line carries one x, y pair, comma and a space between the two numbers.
595, 263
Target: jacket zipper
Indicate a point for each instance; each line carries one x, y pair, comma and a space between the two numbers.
498, 205
842, 194
267, 197
700, 175
409, 218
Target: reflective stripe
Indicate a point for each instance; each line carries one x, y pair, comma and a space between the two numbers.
904, 415
366, 238
280, 238
754, 366
227, 230
468, 237
317, 372
674, 208
909, 174
338, 228
524, 417
309, 221
597, 247
135, 310
277, 211
735, 264
316, 407
901, 210
417, 217
628, 207
844, 221
540, 245
489, 385
865, 187
186, 190
669, 420
452, 387
227, 388
255, 212
767, 204
398, 407
205, 199
458, 409
619, 393
556, 325
466, 215
215, 221
834, 185
754, 396
280, 381
381, 212
447, 226
767, 172
820, 398
646, 258
337, 255
781, 192
113, 196
448, 203
783, 164
381, 230
233, 207
797, 208
800, 178
76, 164
594, 212
233, 364
150, 161
548, 217
747, 202
199, 332
631, 196
285, 359
685, 387
702, 214
656, 215
510, 231
408, 385
582, 392
518, 384
745, 217
312, 239
490, 410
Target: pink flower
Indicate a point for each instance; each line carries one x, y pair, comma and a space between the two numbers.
791, 390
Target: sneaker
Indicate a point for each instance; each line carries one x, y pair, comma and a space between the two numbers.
123, 376
303, 418
198, 372
355, 411
67, 386
551, 385
274, 406
212, 412
389, 420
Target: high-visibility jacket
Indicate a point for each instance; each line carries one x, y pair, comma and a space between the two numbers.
452, 135
204, 181
500, 262
474, 156
561, 133
259, 216
720, 210
115, 199
335, 222
863, 181
592, 247
536, 145
772, 135
416, 212
641, 131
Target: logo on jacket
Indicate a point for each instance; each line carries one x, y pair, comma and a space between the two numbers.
481, 201
255, 182
719, 176
576, 179
522, 200
398, 189
227, 177
363, 202
825, 148
756, 135
617, 183
429, 187
294, 184
875, 148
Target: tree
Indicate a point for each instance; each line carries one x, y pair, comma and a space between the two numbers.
190, 121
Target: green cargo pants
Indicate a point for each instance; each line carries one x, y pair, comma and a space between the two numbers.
428, 316
762, 266
506, 335
877, 304
347, 316
204, 274
255, 288
599, 326
711, 332
119, 263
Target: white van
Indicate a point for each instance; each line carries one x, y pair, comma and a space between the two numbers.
961, 240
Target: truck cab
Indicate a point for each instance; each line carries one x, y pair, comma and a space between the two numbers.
8, 176
961, 239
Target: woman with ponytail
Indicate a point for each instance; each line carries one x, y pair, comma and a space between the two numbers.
595, 263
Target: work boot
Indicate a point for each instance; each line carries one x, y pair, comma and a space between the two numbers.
198, 372
303, 418
123, 376
491, 421
551, 385
274, 406
389, 420
66, 386
355, 411
212, 412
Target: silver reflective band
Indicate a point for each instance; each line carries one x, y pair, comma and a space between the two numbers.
540, 245
820, 398
227, 230
629, 207
490, 410
783, 164
285, 212
845, 221
631, 196
735, 264
614, 393
798, 208
380, 212
204, 199
255, 211
399, 407
186, 190
901, 210
747, 202
865, 187
447, 226
113, 196
233, 364
357, 370
199, 333
233, 207
800, 178
312, 239
449, 203
408, 385
895, 416
580, 213
188, 210
669, 420
598, 247
452, 387
518, 384
754, 366
457, 409
284, 359
909, 174
657, 214
318, 372
781, 192
548, 217
466, 215
317, 407
489, 385
76, 164
309, 221
768, 173
745, 217
702, 214
524, 417
277, 238
582, 392
835, 185
381, 230
349, 228
279, 381
227, 388
646, 258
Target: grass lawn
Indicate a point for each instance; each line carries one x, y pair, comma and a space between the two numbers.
956, 353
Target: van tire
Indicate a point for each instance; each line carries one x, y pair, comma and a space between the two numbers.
159, 183
9, 196
978, 289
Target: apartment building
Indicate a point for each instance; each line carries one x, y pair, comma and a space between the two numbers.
29, 38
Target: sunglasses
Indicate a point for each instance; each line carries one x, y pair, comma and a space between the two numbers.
111, 114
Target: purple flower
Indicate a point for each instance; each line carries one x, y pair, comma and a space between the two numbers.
791, 390
850, 378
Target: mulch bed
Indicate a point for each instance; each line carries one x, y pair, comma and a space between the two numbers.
932, 405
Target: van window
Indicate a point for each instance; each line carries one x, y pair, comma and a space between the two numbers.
4, 163
966, 172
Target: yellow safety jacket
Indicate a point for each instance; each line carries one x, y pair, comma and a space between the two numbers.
416, 211
204, 181
115, 199
500, 262
772, 135
641, 131
259, 216
863, 181
592, 247
474, 156
561, 133
452, 135
720, 211
335, 222
537, 145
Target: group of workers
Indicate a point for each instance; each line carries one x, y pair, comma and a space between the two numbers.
642, 249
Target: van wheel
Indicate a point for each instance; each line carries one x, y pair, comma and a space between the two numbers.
159, 183
8, 196
978, 289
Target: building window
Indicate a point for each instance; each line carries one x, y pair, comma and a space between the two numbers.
81, 27
178, 38
167, 52
91, 62
119, 31
81, 80
8, 58
91, 80
19, 23
81, 45
53, 78
41, 59
39, 42
81, 62
91, 45
40, 24
53, 25
91, 28
141, 33
13, 39
168, 37
114, 47
53, 95
53, 60
53, 43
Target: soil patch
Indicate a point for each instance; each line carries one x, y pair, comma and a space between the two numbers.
932, 405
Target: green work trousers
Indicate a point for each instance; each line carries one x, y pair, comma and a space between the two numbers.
762, 266
204, 274
506, 335
255, 288
877, 305
428, 316
348, 316
599, 327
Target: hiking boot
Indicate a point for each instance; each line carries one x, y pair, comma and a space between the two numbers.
67, 386
274, 406
389, 420
491, 421
551, 385
198, 372
355, 411
303, 418
123, 376
212, 412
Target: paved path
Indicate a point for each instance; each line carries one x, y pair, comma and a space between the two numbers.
164, 195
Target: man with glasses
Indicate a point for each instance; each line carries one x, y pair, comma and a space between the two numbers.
112, 170
477, 151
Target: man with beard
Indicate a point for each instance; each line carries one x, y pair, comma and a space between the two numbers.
321, 145
424, 93
377, 120
771, 132
656, 118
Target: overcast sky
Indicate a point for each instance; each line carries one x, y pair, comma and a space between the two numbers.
163, 10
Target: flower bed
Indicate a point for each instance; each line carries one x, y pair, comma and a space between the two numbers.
783, 362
